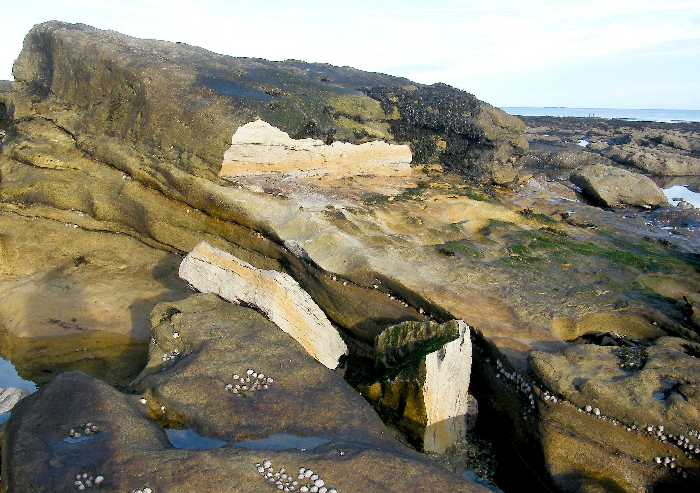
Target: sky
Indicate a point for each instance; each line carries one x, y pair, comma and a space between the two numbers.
592, 53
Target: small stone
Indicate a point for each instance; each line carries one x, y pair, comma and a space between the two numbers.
319, 482
147, 490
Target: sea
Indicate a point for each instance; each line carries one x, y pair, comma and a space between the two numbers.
641, 115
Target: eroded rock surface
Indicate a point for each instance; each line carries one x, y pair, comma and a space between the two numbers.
258, 148
276, 294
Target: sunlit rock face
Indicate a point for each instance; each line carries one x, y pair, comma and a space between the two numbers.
274, 293
427, 372
258, 148
446, 392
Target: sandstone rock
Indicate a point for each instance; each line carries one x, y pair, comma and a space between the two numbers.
663, 389
77, 279
9, 397
449, 408
202, 341
634, 400
202, 97
614, 187
132, 451
428, 373
258, 148
656, 161
274, 293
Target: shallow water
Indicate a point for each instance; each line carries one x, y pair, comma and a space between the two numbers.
9, 378
283, 441
114, 358
188, 439
682, 192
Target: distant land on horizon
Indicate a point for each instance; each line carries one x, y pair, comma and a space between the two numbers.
641, 114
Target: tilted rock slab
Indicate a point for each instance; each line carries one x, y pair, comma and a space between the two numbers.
276, 294
258, 148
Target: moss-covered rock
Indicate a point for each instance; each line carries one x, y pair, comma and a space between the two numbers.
188, 101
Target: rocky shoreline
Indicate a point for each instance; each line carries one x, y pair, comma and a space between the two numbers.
555, 306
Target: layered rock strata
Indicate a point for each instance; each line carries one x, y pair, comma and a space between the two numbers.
258, 148
274, 293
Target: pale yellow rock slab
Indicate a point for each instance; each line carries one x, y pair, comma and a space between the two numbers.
258, 148
276, 294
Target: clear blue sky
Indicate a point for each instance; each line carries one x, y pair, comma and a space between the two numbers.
593, 53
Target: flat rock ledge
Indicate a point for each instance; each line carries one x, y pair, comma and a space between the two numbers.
276, 294
258, 148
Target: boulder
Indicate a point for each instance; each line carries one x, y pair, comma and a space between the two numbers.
258, 148
614, 187
427, 370
274, 293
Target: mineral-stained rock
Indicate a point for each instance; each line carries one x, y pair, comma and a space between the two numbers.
258, 148
217, 339
274, 293
616, 187
428, 372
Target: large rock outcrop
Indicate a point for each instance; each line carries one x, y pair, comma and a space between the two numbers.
258, 148
188, 101
125, 138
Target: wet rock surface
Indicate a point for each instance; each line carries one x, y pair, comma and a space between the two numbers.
131, 450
